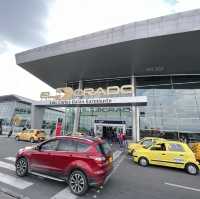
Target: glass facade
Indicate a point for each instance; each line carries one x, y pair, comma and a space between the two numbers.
22, 111
7, 110
51, 116
173, 105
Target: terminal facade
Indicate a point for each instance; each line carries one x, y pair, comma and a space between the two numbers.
18, 107
159, 57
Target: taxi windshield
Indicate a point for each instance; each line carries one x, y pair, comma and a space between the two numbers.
147, 145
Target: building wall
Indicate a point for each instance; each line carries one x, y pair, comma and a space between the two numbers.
6, 111
173, 105
9, 109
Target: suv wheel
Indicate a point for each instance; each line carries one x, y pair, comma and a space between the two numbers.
21, 167
32, 140
192, 169
78, 182
143, 162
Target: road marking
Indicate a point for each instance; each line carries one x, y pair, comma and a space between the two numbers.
10, 158
116, 154
64, 194
182, 187
114, 170
14, 181
7, 166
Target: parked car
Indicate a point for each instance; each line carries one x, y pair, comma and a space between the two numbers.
169, 153
32, 135
80, 161
143, 142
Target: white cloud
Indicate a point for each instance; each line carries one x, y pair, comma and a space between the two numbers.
183, 5
71, 18
15, 80
78, 17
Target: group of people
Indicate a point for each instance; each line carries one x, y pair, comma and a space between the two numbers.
116, 138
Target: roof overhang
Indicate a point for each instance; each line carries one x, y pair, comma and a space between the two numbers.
160, 46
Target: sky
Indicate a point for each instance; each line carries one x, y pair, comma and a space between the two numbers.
29, 24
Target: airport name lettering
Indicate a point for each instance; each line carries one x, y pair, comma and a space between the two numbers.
68, 93
81, 101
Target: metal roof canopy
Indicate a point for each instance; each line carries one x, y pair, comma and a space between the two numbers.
160, 46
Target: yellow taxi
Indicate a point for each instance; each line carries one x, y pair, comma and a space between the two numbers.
143, 142
32, 135
168, 153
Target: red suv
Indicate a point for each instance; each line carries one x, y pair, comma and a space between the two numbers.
80, 161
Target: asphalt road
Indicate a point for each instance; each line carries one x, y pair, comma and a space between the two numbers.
127, 181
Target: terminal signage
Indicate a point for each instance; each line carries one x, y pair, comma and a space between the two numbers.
88, 102
111, 96
68, 93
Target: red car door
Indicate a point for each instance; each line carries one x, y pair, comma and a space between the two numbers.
64, 155
42, 160
69, 151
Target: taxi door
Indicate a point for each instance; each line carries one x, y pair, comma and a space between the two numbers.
157, 154
175, 155
27, 135
23, 135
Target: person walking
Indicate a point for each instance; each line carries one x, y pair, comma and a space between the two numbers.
1, 126
52, 129
11, 131
125, 140
120, 137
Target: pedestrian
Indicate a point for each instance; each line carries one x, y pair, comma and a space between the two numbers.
125, 140
1, 127
109, 137
120, 137
52, 129
10, 132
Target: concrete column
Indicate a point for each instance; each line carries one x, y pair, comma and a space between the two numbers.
77, 112
37, 115
135, 117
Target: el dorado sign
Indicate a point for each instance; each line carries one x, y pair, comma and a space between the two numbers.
67, 93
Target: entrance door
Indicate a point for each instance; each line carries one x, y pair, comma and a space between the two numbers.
103, 129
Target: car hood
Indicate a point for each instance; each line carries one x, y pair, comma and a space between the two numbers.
27, 148
135, 145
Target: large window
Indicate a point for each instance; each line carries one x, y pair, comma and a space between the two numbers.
173, 103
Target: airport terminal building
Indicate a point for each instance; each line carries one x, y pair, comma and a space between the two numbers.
142, 77
16, 110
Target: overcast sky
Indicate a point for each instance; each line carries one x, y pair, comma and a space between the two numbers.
25, 24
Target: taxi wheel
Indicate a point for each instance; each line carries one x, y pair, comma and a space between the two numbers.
78, 183
32, 140
17, 138
192, 169
21, 167
143, 162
